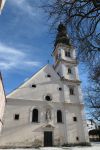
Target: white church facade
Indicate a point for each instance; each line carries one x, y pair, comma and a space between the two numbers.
2, 102
47, 109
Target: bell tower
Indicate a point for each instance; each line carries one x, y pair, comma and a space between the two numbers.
64, 55
66, 67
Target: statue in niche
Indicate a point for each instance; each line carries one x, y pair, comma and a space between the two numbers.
48, 115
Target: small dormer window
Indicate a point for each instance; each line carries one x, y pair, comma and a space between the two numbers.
69, 70
48, 75
33, 85
67, 54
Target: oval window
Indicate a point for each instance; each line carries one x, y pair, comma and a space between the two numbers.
34, 85
48, 75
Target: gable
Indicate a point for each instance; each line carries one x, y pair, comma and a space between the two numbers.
43, 82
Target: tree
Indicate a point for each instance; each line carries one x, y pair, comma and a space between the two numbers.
82, 18
93, 93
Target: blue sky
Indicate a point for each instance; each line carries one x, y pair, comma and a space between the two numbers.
25, 42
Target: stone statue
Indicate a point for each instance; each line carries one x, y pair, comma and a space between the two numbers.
48, 115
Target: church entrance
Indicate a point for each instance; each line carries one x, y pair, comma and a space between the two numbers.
47, 138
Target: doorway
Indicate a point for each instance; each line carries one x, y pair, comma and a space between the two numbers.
47, 138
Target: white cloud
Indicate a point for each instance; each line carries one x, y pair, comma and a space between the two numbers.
24, 6
32, 63
11, 58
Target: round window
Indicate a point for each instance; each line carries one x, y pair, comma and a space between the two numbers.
48, 98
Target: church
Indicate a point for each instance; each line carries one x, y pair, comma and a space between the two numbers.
47, 110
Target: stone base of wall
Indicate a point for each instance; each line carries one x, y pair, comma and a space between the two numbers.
38, 144
76, 144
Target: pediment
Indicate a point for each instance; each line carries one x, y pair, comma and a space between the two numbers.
48, 126
41, 83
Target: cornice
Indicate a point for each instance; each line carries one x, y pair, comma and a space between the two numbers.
62, 45
12, 101
72, 61
71, 81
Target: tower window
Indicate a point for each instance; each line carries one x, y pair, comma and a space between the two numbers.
71, 91
74, 118
59, 116
16, 117
48, 98
67, 54
69, 70
48, 75
34, 85
35, 115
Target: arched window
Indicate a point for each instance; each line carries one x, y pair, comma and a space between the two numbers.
35, 115
59, 116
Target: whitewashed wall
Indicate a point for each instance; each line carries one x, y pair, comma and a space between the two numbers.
2, 103
22, 101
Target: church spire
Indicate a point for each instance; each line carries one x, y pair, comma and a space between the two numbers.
62, 36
